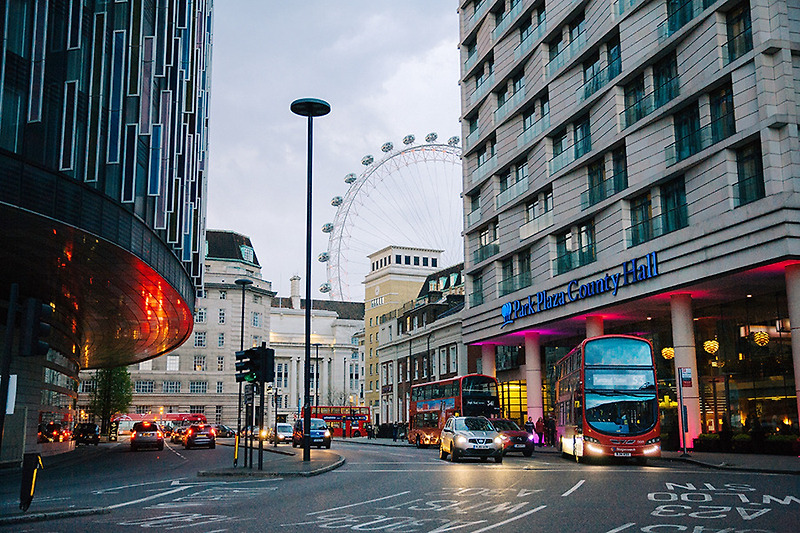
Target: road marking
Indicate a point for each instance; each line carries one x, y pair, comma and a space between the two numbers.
622, 527
148, 498
573, 489
360, 503
123, 487
504, 522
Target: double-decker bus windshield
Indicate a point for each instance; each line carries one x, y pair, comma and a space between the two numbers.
479, 396
620, 400
478, 386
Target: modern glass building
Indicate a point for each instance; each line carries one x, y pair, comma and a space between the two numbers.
630, 167
103, 168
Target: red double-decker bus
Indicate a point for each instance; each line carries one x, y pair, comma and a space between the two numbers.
606, 399
432, 403
343, 420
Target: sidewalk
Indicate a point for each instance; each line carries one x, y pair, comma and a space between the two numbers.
745, 462
280, 461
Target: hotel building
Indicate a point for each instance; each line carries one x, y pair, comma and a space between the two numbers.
630, 167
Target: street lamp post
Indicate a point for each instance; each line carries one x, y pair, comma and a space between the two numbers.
242, 283
308, 107
316, 375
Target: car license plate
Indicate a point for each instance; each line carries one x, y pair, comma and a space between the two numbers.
316, 440
519, 446
481, 446
622, 454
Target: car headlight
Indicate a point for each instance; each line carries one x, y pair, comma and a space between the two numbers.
461, 440
327, 434
499, 440
591, 439
503, 437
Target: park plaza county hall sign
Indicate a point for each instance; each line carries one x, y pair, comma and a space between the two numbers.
632, 271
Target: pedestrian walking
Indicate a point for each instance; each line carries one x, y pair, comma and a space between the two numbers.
539, 427
550, 429
394, 432
529, 426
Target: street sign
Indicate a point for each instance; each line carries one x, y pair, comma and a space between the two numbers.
249, 393
685, 376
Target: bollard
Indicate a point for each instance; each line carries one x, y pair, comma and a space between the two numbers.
30, 464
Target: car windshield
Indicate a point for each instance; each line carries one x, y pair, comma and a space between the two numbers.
284, 427
505, 425
474, 423
318, 423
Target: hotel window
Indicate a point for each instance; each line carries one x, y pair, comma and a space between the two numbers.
665, 76
576, 27
257, 298
199, 339
476, 296
144, 387
146, 365
434, 262
220, 363
247, 253
219, 387
173, 363
740, 32
198, 387
223, 295
222, 316
218, 414
142, 409
541, 205
575, 249
221, 340
200, 315
674, 214
171, 387
641, 220
750, 175
559, 143
620, 165
415, 363
556, 47
398, 259
723, 123
634, 101
528, 118
583, 137
591, 69
256, 322
407, 260
453, 358
687, 132
88, 385
524, 276
597, 178
199, 363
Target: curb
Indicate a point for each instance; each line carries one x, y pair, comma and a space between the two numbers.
735, 468
387, 445
52, 515
262, 473
270, 448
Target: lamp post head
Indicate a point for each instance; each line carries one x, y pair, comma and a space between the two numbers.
310, 107
243, 282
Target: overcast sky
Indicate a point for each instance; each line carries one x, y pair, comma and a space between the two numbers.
386, 68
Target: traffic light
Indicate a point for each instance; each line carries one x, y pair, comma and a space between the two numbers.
255, 365
34, 327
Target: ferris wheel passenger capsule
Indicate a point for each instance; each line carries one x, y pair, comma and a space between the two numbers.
454, 140
323, 257
431, 137
336, 201
327, 228
409, 139
325, 287
350, 178
387, 147
367, 160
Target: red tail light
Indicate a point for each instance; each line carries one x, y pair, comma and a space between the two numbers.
159, 434
133, 435
213, 433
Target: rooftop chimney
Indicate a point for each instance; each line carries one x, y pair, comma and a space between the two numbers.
295, 291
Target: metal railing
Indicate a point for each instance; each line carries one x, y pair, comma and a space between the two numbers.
737, 47
474, 217
570, 154
481, 89
470, 61
599, 80
514, 191
566, 54
509, 104
476, 16
485, 252
649, 229
515, 283
535, 129
475, 299
659, 97
678, 19
481, 172
545, 220
506, 21
470, 139
623, 6
749, 190
605, 189
574, 259
699, 140
527, 43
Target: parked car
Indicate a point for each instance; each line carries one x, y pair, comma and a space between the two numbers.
87, 433
199, 435
514, 438
284, 433
224, 431
470, 436
319, 433
146, 434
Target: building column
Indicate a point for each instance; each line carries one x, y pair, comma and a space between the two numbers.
324, 385
294, 376
686, 357
594, 326
488, 360
793, 302
533, 376
396, 379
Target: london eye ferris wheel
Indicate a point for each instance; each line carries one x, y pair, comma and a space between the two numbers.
409, 196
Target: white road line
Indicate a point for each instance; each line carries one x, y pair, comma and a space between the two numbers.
504, 522
360, 503
573, 489
147, 498
116, 489
620, 528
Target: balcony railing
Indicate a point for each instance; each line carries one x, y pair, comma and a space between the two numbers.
623, 6
566, 54
527, 136
470, 139
485, 252
509, 104
527, 43
515, 283
677, 20
506, 21
475, 299
481, 89
545, 220
474, 217
476, 16
470, 61
657, 226
650, 102
701, 139
574, 259
515, 191
599, 80
570, 154
737, 47
749, 190
605, 189
483, 170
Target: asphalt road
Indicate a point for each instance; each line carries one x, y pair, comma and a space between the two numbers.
406, 490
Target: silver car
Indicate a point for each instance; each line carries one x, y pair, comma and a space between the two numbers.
470, 436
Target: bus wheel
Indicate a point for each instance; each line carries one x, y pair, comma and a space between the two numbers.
357, 434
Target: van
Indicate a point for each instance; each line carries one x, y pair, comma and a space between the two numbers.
319, 435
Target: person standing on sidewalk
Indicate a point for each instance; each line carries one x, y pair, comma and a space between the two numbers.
540, 430
530, 428
394, 432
